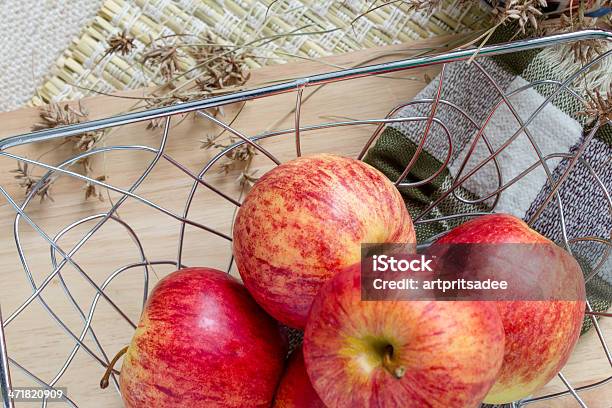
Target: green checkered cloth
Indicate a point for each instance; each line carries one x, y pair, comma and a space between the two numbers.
583, 201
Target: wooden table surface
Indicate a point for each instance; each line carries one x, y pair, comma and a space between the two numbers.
35, 340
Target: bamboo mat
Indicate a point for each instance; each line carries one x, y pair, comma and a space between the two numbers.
317, 28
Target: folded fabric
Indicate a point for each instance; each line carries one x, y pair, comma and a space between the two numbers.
467, 98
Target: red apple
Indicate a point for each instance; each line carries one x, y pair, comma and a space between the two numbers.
304, 221
540, 334
390, 354
295, 390
202, 341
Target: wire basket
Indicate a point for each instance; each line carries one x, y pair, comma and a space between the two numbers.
97, 296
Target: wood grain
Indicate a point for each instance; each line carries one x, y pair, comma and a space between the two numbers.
36, 341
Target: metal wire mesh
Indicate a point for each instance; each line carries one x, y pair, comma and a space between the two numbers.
62, 257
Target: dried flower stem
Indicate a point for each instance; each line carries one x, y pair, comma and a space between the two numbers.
121, 43
55, 115
525, 12
28, 182
599, 107
583, 50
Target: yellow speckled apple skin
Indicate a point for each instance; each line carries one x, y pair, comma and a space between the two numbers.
450, 351
304, 221
540, 334
202, 341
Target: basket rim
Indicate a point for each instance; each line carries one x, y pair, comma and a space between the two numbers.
300, 83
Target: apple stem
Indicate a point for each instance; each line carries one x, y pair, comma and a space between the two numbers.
109, 368
396, 370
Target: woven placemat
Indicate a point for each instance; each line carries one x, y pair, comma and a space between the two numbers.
332, 27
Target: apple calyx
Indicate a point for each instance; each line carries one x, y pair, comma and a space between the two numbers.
109, 368
395, 369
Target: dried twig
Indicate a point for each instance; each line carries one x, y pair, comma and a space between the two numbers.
159, 102
121, 43
222, 65
56, 115
27, 181
247, 179
599, 106
236, 158
583, 50
165, 57
222, 70
242, 153
92, 190
525, 12
427, 6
